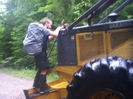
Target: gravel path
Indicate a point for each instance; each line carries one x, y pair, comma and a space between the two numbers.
12, 87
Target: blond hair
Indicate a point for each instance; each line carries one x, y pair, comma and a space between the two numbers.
46, 20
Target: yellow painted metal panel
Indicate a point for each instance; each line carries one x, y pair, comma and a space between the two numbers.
59, 91
120, 43
51, 95
65, 69
65, 72
90, 45
58, 84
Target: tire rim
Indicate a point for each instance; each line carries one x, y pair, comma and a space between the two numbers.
106, 94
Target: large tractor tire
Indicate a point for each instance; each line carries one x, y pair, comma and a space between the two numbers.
103, 78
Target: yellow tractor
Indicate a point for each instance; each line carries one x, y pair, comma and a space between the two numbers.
94, 61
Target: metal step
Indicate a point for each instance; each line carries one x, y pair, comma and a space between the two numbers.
59, 91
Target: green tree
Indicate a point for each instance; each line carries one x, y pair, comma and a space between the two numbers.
19, 13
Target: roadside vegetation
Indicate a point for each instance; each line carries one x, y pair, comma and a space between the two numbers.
16, 16
22, 73
27, 73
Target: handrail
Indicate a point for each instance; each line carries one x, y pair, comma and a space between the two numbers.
95, 10
117, 10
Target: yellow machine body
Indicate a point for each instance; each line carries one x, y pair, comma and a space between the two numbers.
89, 45
81, 44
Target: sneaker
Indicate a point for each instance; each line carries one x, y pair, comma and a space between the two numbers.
47, 90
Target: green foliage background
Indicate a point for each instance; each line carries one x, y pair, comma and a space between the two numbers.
19, 13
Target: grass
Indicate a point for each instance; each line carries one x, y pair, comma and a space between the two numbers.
27, 73
23, 73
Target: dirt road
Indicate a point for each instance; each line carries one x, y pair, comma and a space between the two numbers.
12, 87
